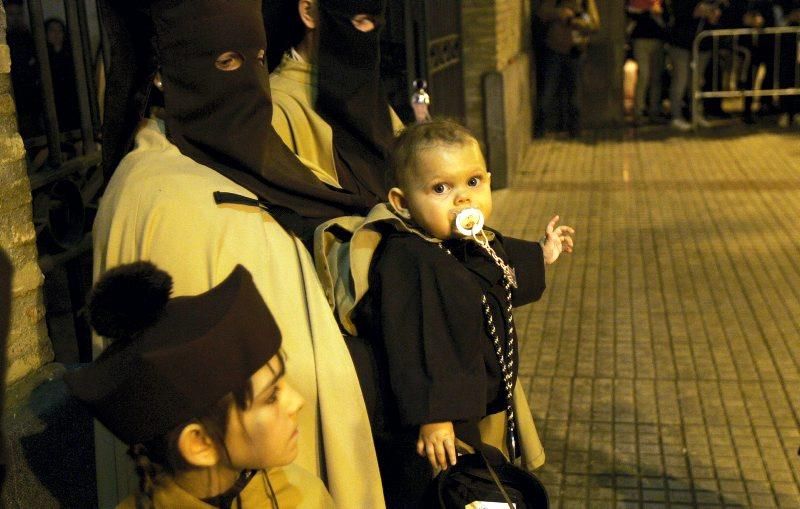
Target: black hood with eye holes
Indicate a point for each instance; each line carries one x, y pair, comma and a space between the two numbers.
221, 119
351, 98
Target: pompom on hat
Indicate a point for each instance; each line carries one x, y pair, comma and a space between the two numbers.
171, 359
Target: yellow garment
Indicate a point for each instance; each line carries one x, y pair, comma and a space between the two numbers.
159, 207
493, 430
299, 126
294, 489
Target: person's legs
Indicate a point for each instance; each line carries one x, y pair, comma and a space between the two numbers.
642, 53
680, 79
747, 79
571, 82
656, 68
677, 88
551, 76
703, 58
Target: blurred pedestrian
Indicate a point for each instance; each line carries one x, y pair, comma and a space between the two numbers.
62, 69
648, 38
756, 14
569, 24
689, 18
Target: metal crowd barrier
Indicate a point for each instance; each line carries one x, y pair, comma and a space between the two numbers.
728, 42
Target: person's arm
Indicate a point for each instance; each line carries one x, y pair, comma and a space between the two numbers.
528, 262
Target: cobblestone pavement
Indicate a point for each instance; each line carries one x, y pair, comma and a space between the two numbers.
663, 363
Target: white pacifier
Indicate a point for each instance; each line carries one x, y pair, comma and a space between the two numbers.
469, 222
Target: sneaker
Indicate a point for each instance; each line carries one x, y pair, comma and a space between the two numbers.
681, 125
702, 122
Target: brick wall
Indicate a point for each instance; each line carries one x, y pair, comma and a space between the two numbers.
28, 346
479, 50
496, 38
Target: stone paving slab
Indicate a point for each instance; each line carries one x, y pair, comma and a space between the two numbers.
663, 363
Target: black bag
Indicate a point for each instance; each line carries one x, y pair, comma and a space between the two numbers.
485, 476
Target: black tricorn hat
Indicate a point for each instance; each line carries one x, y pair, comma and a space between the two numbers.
175, 360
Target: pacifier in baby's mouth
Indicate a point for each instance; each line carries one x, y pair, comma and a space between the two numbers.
469, 222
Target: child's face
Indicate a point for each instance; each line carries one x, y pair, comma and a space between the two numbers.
265, 434
447, 179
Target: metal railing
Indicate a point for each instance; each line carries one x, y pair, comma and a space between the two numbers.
64, 160
727, 41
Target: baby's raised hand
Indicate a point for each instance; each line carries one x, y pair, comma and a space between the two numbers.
556, 239
437, 442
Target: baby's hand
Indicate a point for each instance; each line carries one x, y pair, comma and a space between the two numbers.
556, 240
437, 441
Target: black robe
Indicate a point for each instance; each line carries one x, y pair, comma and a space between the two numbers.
424, 315
435, 359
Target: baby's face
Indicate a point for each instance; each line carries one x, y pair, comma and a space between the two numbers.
446, 180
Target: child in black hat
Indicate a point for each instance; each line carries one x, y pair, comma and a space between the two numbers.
195, 386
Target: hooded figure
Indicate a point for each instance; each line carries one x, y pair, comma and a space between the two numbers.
209, 186
204, 98
331, 108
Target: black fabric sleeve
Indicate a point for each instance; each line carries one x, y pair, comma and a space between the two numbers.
528, 261
431, 321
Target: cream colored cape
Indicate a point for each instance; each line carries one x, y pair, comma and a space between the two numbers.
159, 207
298, 125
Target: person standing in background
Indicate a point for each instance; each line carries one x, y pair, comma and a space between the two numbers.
648, 38
756, 14
62, 67
569, 23
689, 19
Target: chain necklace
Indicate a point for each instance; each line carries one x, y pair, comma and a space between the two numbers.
504, 358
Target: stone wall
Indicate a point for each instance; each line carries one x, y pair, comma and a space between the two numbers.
28, 346
496, 42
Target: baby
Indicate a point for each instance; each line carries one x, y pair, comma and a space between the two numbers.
438, 309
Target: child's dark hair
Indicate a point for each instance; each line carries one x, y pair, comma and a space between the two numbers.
417, 137
161, 455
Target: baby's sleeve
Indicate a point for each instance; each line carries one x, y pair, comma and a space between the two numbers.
528, 261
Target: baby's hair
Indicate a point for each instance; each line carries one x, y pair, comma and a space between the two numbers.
418, 137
